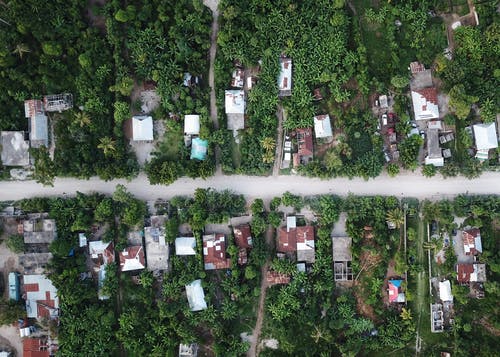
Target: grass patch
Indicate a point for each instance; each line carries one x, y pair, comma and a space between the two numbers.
170, 146
235, 154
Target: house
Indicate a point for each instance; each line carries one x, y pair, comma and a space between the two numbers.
395, 291
196, 296
102, 254
285, 77
37, 124
14, 287
199, 149
14, 148
192, 124
188, 350
243, 239
34, 263
41, 297
38, 230
297, 239
445, 291
235, 109
434, 153
214, 252
471, 273
237, 78
437, 318
274, 278
33, 107
58, 102
486, 139
35, 347
342, 258
132, 258
425, 103
472, 241
157, 251
185, 246
305, 147
322, 126
142, 128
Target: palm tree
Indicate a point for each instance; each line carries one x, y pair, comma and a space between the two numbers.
430, 245
82, 119
268, 144
21, 49
405, 314
268, 157
396, 216
107, 145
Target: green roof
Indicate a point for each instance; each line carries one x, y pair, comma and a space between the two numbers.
199, 148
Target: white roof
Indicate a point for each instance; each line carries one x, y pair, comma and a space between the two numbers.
291, 222
383, 101
285, 77
196, 296
185, 246
445, 291
82, 239
192, 124
142, 128
434, 124
132, 262
322, 126
486, 136
436, 161
157, 252
97, 247
44, 286
235, 101
14, 148
422, 108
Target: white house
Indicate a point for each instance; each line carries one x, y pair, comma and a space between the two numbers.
142, 128
285, 77
235, 109
185, 246
425, 103
196, 296
486, 136
322, 126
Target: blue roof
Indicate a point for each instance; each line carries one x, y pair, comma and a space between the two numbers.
199, 148
396, 283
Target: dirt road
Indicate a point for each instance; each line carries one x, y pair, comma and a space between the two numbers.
213, 5
409, 185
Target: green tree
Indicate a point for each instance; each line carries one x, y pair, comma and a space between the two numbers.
82, 119
107, 145
393, 169
15, 243
45, 169
396, 216
429, 170
460, 101
21, 49
122, 112
121, 16
400, 82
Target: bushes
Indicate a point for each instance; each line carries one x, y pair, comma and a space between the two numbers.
16, 243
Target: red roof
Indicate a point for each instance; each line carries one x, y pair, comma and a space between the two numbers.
304, 233
287, 240
273, 277
430, 94
35, 347
132, 258
242, 256
44, 306
214, 252
463, 272
243, 236
31, 287
469, 239
416, 67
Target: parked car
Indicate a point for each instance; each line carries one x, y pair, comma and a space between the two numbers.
413, 124
384, 119
422, 134
386, 156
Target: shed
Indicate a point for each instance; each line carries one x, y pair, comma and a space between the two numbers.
14, 289
38, 129
185, 246
196, 296
142, 128
192, 124
285, 77
322, 126
82, 240
235, 109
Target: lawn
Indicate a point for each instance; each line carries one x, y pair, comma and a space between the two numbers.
172, 141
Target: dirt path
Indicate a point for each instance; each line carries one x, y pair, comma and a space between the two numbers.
213, 5
253, 351
279, 142
9, 337
421, 290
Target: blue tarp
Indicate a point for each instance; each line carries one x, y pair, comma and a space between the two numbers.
199, 148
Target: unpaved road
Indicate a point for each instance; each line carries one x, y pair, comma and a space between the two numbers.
9, 335
411, 184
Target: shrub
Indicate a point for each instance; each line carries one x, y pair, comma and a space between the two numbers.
16, 243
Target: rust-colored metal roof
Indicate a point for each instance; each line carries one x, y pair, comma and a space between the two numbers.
243, 236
